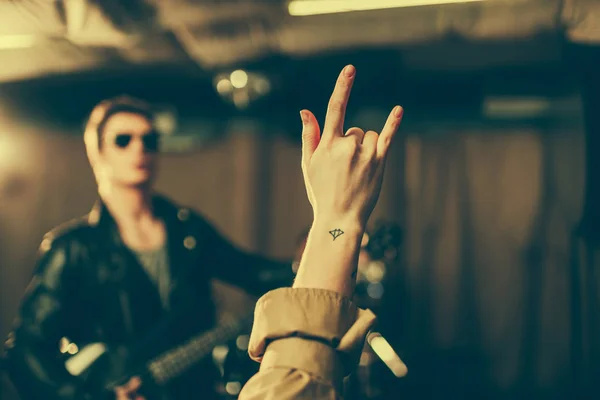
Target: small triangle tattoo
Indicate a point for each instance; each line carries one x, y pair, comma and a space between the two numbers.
336, 233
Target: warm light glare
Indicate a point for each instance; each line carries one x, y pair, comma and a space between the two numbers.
166, 122
233, 388
262, 86
81, 360
219, 354
63, 345
315, 7
16, 41
375, 271
242, 342
239, 79
224, 86
516, 107
72, 348
375, 290
382, 348
241, 87
241, 99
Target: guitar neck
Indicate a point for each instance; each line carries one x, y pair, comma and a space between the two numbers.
174, 362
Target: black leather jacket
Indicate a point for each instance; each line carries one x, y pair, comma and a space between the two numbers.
88, 287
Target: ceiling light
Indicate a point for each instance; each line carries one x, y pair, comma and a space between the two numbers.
241, 88
519, 107
315, 7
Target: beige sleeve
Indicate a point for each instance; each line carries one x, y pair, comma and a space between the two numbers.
307, 340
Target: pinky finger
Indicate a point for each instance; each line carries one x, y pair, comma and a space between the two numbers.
389, 131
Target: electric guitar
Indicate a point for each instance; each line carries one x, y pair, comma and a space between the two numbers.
101, 368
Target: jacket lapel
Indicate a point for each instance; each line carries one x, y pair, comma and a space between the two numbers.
141, 301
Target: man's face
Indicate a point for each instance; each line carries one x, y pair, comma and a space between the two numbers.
128, 151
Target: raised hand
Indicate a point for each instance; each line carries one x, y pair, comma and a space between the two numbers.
343, 172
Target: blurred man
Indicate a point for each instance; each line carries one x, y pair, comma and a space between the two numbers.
135, 270
309, 336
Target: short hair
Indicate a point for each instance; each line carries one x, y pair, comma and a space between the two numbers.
102, 112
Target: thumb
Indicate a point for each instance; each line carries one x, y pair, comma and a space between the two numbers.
311, 135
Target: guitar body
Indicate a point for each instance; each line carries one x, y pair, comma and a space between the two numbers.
114, 367
101, 368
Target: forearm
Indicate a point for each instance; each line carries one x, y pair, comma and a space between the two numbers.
330, 258
253, 273
262, 274
306, 340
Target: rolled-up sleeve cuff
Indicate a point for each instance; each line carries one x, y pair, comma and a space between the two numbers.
314, 330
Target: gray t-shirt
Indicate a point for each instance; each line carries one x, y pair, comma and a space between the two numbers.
156, 265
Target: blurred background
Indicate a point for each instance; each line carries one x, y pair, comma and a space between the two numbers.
493, 181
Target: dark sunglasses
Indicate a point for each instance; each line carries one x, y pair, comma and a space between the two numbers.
150, 141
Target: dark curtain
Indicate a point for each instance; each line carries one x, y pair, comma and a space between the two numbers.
491, 218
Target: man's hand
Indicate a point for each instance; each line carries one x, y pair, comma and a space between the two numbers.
343, 174
129, 390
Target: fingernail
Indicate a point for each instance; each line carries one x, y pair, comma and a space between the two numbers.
349, 71
304, 117
398, 111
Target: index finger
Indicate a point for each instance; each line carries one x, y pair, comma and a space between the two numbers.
336, 110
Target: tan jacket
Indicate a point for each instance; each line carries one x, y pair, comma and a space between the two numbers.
307, 340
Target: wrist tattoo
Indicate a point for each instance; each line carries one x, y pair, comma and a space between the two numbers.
336, 233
